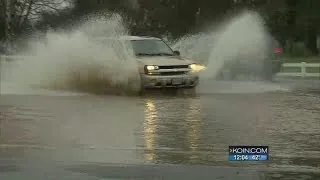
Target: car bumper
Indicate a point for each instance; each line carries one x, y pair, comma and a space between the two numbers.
174, 81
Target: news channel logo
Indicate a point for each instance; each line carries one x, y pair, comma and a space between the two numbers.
248, 153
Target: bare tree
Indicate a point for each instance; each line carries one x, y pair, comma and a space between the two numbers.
18, 16
24, 11
30, 10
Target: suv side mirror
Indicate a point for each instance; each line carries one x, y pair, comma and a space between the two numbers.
177, 53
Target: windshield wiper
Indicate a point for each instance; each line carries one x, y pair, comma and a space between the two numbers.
163, 54
144, 54
154, 54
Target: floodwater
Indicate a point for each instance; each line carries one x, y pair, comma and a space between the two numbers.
63, 135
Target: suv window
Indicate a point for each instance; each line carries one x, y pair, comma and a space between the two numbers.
151, 47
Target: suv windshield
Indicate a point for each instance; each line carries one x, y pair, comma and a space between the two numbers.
151, 48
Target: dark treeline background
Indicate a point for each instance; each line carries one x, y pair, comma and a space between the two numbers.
294, 23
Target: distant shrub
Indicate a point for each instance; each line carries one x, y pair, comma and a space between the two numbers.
298, 49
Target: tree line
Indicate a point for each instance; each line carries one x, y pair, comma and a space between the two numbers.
289, 21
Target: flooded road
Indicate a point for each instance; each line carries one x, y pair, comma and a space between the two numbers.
61, 135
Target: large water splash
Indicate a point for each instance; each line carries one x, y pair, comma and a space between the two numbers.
243, 41
240, 46
82, 60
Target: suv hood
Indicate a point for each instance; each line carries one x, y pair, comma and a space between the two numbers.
163, 60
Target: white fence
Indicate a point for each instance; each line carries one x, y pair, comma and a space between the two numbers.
303, 66
303, 69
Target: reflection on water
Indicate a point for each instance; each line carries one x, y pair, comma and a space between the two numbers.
198, 130
150, 127
194, 117
172, 135
163, 130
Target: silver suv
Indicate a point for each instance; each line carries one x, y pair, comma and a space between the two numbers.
160, 66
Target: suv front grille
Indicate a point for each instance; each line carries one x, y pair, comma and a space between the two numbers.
172, 73
174, 67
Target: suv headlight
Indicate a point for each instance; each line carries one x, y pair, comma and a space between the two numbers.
151, 67
192, 66
196, 67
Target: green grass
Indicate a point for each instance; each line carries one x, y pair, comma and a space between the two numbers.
314, 59
313, 70
290, 69
296, 69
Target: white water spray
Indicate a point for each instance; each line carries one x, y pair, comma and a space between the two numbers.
243, 40
243, 44
76, 61
81, 60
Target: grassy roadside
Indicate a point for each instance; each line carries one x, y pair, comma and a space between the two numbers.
315, 59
